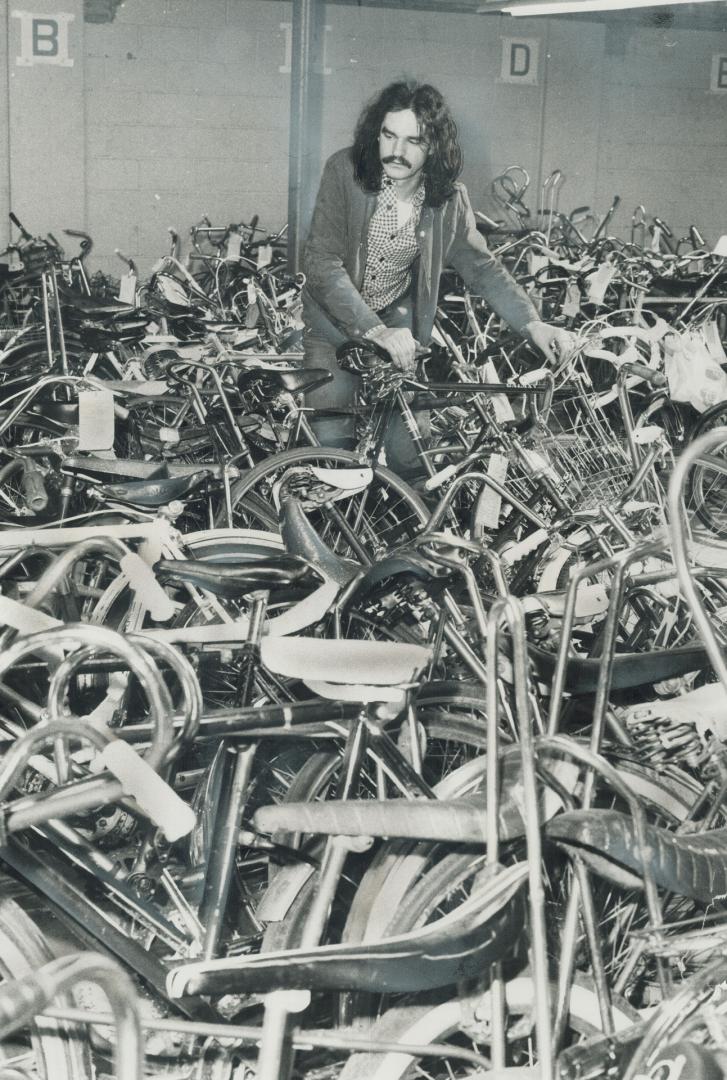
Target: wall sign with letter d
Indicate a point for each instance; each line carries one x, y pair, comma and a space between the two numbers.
520, 60
718, 82
43, 39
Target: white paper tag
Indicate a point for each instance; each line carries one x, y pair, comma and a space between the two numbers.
264, 255
599, 282
572, 301
146, 587
155, 797
500, 404
127, 288
96, 420
487, 510
233, 247
536, 263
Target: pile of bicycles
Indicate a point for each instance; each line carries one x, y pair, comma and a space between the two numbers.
313, 770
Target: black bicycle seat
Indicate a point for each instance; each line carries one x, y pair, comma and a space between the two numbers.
629, 669
233, 582
488, 926
273, 380
62, 412
693, 865
300, 538
91, 307
154, 493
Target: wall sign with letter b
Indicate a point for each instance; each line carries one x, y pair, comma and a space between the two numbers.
43, 38
520, 60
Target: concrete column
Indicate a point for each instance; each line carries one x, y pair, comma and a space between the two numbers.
44, 124
305, 121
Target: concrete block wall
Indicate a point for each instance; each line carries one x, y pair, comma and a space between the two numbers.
663, 134
181, 107
187, 115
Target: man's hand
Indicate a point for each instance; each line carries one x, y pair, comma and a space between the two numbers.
554, 343
400, 344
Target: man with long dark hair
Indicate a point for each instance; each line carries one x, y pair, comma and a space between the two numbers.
390, 215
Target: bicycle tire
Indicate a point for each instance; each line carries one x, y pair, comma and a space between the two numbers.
310, 783
59, 1053
422, 1024
385, 514
706, 491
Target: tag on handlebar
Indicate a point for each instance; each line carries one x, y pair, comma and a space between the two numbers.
95, 420
500, 404
264, 255
127, 288
599, 282
233, 247
489, 504
572, 301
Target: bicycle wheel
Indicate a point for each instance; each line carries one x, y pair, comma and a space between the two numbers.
423, 1024
449, 743
706, 492
49, 1049
383, 515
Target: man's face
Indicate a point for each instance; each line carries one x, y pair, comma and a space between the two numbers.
402, 148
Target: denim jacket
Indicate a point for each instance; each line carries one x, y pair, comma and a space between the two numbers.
335, 258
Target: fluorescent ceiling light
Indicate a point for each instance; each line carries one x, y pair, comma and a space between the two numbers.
573, 7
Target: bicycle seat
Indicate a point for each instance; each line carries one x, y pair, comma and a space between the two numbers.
232, 582
329, 667
154, 493
404, 563
486, 927
134, 470
629, 669
273, 380
92, 307
61, 412
693, 865
454, 821
300, 538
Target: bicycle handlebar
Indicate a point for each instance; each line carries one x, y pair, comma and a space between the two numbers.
23, 231
125, 258
654, 378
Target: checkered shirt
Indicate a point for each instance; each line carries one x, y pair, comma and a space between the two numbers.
391, 250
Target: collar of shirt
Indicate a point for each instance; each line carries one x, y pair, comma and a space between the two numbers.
389, 198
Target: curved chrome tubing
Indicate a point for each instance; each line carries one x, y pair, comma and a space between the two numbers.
678, 535
23, 999
508, 611
101, 639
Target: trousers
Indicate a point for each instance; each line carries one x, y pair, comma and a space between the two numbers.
321, 338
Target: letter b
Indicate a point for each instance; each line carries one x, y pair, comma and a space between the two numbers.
45, 37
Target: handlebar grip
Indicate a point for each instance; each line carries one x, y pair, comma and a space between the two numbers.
125, 258
33, 485
440, 478
513, 553
488, 221
654, 378
23, 231
663, 226
155, 797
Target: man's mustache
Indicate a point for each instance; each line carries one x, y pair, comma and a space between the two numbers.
392, 159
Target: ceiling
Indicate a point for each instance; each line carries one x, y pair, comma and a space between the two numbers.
710, 15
